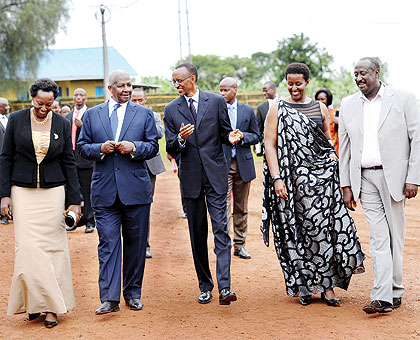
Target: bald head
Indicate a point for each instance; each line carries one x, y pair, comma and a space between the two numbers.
228, 88
79, 98
120, 86
4, 106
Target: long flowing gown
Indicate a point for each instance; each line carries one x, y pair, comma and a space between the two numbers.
314, 235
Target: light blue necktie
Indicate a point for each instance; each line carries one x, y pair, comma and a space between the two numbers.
114, 120
232, 117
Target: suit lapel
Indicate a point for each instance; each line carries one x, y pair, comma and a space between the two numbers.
128, 117
203, 104
386, 106
239, 115
185, 110
27, 132
104, 118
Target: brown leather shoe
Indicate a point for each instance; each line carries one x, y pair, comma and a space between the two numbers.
226, 297
378, 306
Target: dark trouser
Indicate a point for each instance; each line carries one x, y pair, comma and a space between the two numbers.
132, 222
85, 177
197, 223
153, 182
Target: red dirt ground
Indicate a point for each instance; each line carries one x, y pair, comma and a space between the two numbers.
263, 310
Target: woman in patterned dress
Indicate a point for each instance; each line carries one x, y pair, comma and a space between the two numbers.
314, 235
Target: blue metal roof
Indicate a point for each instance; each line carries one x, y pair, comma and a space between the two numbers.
80, 63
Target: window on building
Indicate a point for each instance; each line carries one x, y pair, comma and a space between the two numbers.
60, 91
99, 91
67, 92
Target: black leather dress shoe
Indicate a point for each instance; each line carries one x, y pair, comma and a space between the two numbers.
134, 304
226, 297
148, 253
89, 229
378, 306
50, 324
330, 302
242, 253
396, 302
205, 297
108, 307
74, 227
4, 220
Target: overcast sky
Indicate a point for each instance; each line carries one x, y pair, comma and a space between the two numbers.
146, 32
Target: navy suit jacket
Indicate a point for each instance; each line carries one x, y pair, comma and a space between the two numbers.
247, 123
203, 149
115, 173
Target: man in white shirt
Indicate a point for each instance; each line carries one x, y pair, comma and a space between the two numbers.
379, 135
84, 166
4, 111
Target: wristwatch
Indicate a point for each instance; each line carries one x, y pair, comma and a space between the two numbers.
276, 177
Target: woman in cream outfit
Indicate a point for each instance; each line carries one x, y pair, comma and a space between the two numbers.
38, 182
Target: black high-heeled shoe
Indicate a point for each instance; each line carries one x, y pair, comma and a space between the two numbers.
51, 324
33, 316
330, 302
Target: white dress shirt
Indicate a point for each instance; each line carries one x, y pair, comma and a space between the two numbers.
3, 120
81, 112
195, 97
120, 115
371, 155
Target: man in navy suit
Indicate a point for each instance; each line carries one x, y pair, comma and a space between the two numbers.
196, 125
119, 136
240, 164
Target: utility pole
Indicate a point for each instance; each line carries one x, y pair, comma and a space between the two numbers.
188, 30
102, 9
180, 35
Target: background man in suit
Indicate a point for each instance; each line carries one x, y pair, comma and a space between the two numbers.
269, 91
196, 125
84, 166
155, 165
120, 136
240, 164
4, 111
379, 135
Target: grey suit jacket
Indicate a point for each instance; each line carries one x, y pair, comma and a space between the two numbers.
155, 164
398, 137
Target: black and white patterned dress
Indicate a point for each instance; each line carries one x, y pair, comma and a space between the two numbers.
314, 235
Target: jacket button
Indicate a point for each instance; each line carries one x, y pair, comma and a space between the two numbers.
116, 169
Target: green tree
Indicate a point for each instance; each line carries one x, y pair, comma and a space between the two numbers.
298, 48
27, 27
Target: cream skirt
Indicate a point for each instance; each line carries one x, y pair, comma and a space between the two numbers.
42, 279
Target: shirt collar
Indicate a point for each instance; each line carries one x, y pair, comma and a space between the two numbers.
112, 103
234, 105
196, 96
380, 94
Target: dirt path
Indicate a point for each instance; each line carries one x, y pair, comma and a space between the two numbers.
263, 310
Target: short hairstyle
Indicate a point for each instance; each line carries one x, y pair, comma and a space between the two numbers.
68, 105
44, 84
81, 89
190, 67
114, 76
271, 84
327, 93
298, 68
138, 89
374, 61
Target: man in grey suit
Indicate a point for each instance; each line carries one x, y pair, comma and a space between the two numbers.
379, 135
269, 91
155, 165
4, 111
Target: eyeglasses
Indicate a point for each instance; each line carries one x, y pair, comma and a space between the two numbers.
179, 81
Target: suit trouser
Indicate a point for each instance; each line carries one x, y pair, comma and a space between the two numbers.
132, 222
85, 178
387, 226
240, 191
198, 226
153, 182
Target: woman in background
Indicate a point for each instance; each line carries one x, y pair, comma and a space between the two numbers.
325, 96
36, 164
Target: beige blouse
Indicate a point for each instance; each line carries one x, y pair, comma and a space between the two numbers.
41, 141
